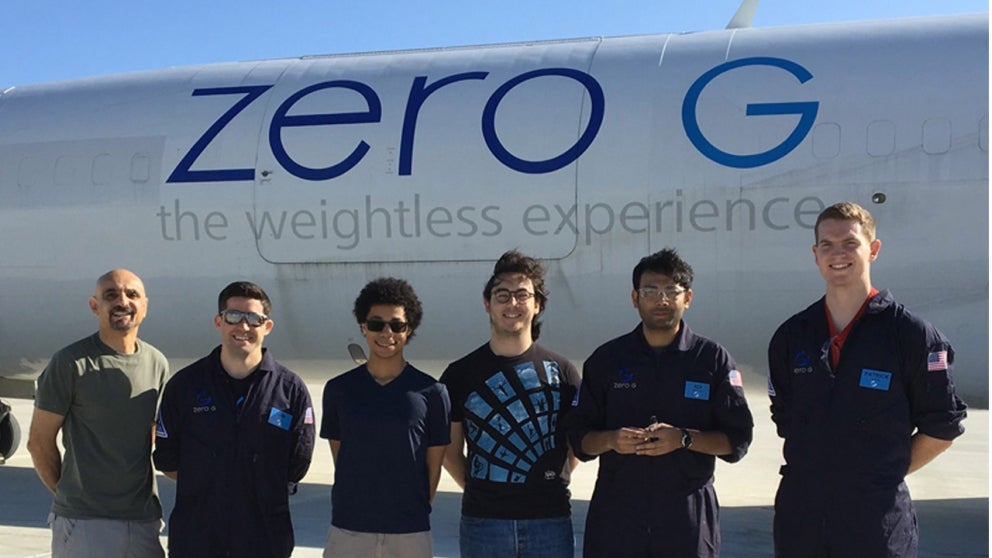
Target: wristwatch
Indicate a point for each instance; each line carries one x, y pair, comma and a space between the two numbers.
686, 439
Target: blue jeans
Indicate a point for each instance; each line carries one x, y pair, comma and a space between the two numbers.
516, 538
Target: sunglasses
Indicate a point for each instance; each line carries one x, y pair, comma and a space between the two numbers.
235, 317
376, 325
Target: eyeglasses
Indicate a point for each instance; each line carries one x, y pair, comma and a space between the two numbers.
654, 293
503, 296
235, 317
377, 325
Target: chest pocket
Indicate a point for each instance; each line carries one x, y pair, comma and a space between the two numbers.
698, 397
699, 391
878, 399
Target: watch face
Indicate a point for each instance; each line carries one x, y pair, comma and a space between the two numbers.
686, 439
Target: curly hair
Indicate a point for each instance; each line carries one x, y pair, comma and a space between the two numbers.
394, 292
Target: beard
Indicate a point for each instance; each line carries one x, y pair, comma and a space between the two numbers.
122, 322
666, 320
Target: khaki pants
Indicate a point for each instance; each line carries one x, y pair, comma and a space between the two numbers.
353, 544
105, 538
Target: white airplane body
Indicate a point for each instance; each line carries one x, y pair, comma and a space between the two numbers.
311, 176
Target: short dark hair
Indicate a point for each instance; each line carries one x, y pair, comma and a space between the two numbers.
513, 263
244, 289
394, 292
666, 262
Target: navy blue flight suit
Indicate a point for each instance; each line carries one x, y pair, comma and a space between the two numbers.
658, 505
236, 464
847, 428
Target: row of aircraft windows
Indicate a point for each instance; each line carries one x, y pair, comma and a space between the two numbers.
880, 138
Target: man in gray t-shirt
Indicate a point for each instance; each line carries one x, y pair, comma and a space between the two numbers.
102, 393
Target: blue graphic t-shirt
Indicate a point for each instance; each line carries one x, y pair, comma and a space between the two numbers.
510, 408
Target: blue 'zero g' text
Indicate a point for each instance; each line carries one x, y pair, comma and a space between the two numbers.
420, 90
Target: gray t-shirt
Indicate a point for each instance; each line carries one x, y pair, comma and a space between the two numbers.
109, 401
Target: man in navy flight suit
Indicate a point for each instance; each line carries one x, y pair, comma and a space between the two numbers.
862, 393
236, 432
657, 406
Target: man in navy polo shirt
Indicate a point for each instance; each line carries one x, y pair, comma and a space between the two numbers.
387, 426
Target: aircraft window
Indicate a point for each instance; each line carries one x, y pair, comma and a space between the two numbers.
68, 170
826, 140
140, 168
28, 172
881, 138
983, 134
102, 170
937, 136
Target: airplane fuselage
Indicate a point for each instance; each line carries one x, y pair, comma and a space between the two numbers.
314, 175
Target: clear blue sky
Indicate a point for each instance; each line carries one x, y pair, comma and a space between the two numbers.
47, 40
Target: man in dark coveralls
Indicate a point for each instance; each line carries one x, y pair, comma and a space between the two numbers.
656, 406
862, 393
236, 432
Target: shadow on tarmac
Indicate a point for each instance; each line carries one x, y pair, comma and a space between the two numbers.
957, 527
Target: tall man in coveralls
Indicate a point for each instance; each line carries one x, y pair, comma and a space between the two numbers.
656, 406
861, 392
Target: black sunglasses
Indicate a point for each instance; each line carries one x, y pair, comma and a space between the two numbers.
376, 325
235, 317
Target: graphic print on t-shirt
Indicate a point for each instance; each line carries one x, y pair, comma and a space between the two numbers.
512, 422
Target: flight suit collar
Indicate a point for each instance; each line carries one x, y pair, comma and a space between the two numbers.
268, 363
683, 341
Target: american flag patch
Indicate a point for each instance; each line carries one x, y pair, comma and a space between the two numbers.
735, 378
937, 361
308, 416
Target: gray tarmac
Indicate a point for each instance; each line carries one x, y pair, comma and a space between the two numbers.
951, 495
